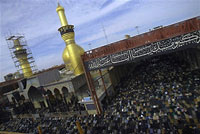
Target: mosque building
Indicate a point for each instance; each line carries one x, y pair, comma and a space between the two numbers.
62, 82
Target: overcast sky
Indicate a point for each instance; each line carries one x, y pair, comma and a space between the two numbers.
39, 22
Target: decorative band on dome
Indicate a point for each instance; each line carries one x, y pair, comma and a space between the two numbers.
66, 29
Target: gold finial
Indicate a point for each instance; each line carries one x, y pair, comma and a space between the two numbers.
58, 3
61, 13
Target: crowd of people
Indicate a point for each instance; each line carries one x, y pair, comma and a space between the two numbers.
61, 105
54, 105
54, 125
161, 96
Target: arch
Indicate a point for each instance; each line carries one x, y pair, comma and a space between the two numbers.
56, 91
65, 91
34, 94
57, 94
50, 95
49, 92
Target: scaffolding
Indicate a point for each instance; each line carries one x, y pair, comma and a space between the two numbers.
24, 52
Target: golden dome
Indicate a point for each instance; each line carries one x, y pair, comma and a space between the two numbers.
72, 58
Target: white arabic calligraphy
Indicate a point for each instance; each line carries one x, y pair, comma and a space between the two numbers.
149, 49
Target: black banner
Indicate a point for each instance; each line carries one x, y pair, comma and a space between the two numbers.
159, 47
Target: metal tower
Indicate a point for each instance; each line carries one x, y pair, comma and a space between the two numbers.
21, 55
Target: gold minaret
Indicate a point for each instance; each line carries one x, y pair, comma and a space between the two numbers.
72, 52
20, 53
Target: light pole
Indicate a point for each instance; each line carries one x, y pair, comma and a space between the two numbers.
137, 29
90, 46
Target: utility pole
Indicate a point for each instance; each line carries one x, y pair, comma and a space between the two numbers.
137, 29
104, 33
90, 46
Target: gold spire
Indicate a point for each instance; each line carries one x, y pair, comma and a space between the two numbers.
61, 13
72, 52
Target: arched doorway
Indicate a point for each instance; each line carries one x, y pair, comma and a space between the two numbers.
57, 94
36, 97
59, 100
65, 91
50, 100
50, 96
